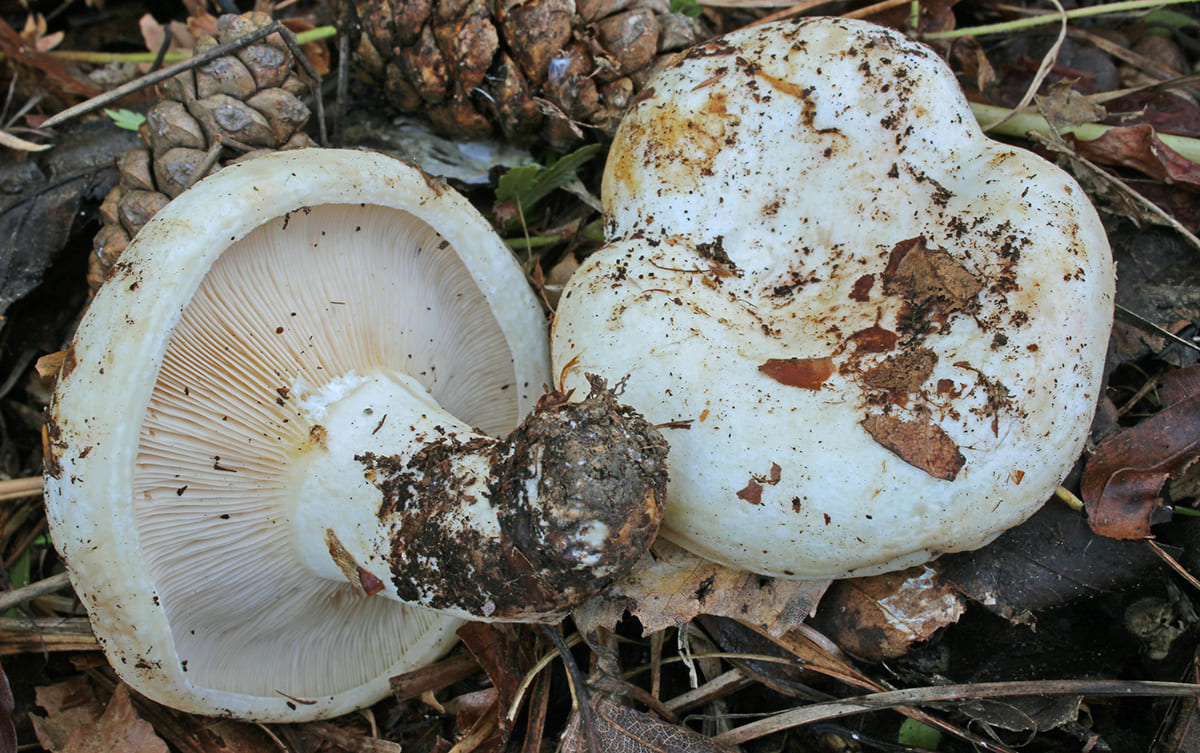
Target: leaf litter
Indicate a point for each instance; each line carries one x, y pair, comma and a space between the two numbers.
1135, 483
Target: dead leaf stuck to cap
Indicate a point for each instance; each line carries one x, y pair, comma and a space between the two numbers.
920, 443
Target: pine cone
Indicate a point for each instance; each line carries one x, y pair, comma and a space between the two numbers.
531, 69
230, 109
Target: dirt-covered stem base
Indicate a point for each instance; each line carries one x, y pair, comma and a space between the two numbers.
553, 513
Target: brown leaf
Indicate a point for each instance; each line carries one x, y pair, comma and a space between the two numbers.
70, 705
902, 372
921, 275
506, 652
874, 339
882, 616
53, 71
1123, 479
1064, 106
1050, 560
752, 493
672, 586
1140, 148
1178, 385
119, 729
805, 373
920, 443
623, 730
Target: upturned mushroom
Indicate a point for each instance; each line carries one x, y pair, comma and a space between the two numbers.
262, 472
884, 331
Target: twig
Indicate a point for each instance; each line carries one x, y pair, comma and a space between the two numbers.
1025, 23
940, 693
150, 79
9, 599
20, 488
1048, 61
578, 684
1173, 564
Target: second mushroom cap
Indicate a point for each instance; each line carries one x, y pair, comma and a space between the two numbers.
884, 331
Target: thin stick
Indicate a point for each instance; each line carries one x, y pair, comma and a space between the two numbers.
10, 599
871, 10
1173, 564
578, 684
938, 693
1025, 23
20, 488
150, 79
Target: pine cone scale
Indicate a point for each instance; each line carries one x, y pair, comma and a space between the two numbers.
531, 69
246, 100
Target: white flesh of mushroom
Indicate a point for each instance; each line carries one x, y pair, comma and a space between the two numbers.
886, 330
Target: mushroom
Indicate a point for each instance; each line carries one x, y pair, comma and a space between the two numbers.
262, 472
884, 331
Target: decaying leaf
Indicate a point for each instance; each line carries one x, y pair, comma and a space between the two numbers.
923, 276
119, 728
1064, 106
1123, 480
52, 72
624, 730
882, 616
69, 705
805, 373
1050, 560
920, 443
43, 199
902, 372
1140, 148
506, 652
1159, 281
672, 586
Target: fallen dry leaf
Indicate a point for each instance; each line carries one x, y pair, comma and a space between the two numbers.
1064, 106
924, 276
805, 373
506, 652
921, 444
1051, 560
69, 705
620, 729
882, 616
672, 586
119, 729
50, 70
1123, 480
1140, 148
154, 34
902, 372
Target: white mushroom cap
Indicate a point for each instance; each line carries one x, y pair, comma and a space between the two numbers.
886, 330
196, 387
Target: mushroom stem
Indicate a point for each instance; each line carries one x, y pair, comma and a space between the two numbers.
403, 500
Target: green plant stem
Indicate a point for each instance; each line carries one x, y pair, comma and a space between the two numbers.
1022, 123
1049, 18
103, 58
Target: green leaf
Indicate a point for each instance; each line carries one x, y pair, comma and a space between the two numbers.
127, 119
1172, 18
917, 735
19, 575
526, 185
690, 8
